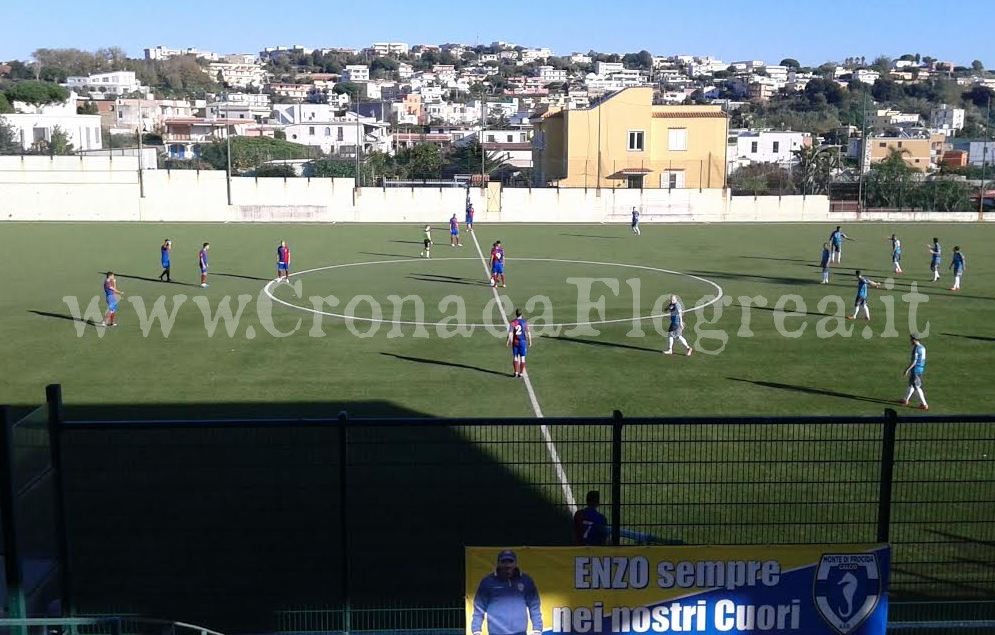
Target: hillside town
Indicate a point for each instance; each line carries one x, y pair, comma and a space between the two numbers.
525, 115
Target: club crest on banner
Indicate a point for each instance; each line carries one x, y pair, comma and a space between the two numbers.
847, 589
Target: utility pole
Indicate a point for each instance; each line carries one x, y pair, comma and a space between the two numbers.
228, 149
483, 124
863, 153
986, 140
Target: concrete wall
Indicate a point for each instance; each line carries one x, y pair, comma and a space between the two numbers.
107, 189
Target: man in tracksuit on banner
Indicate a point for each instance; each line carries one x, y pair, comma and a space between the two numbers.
509, 600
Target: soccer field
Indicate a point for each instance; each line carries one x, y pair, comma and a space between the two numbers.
299, 362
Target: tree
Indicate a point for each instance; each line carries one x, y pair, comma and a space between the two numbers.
891, 182
5, 106
887, 90
466, 159
331, 169
979, 96
250, 152
277, 170
814, 169
9, 143
87, 108
37, 93
57, 143
350, 88
790, 63
976, 65
830, 90
882, 64
420, 161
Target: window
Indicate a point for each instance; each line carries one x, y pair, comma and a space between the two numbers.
754, 146
310, 130
899, 144
511, 138
777, 146
636, 141
490, 138
341, 135
882, 145
672, 179
677, 139
634, 181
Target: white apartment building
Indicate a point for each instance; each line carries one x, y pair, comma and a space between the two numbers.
580, 58
445, 72
390, 48
549, 75
291, 91
238, 75
605, 69
454, 113
778, 73
242, 106
946, 118
535, 55
488, 57
103, 85
272, 52
147, 114
164, 53
341, 135
405, 70
764, 146
33, 125
866, 75
888, 117
356, 73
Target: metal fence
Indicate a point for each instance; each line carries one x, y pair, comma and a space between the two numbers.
351, 524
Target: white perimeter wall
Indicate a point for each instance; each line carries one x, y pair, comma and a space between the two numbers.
107, 189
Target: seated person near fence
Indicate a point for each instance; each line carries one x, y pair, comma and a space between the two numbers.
590, 525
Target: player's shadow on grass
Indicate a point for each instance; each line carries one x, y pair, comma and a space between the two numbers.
156, 280
802, 260
788, 310
439, 362
578, 340
427, 277
594, 236
407, 242
753, 277
813, 391
977, 338
373, 253
63, 316
243, 277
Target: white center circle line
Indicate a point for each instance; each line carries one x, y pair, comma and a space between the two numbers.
268, 290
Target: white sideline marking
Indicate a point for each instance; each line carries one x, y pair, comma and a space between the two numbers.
543, 428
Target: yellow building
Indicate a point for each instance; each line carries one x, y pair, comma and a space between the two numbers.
626, 141
921, 153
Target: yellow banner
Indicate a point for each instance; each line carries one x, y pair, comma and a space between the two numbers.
831, 589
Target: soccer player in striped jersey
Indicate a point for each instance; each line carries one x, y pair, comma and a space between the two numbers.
915, 371
676, 331
896, 254
283, 261
935, 253
202, 263
111, 293
635, 222
957, 264
497, 264
519, 339
861, 301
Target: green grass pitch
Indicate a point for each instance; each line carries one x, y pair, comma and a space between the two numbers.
575, 372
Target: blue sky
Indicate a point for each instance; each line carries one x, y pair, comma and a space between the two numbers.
811, 31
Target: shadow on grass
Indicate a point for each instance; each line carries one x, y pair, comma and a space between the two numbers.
977, 338
788, 310
594, 236
224, 523
144, 279
240, 276
374, 253
439, 362
802, 260
814, 391
753, 277
63, 316
578, 340
407, 242
446, 279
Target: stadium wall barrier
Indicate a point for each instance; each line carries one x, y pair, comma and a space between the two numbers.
90, 188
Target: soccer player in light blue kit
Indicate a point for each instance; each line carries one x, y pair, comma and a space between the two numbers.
519, 339
635, 222
957, 264
164, 253
836, 240
896, 253
915, 371
676, 331
861, 301
824, 263
935, 253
